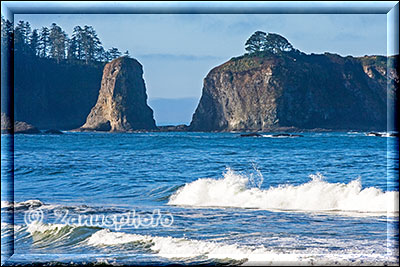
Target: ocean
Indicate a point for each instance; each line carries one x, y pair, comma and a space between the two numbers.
163, 198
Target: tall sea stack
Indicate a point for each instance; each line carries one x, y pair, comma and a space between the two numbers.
122, 102
286, 90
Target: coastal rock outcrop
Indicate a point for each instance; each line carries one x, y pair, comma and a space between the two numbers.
122, 102
267, 92
55, 96
19, 126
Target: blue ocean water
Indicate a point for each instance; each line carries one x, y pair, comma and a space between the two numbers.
208, 198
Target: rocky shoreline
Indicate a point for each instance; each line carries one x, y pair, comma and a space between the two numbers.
26, 128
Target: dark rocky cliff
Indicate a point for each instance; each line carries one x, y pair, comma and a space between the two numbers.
122, 102
267, 92
54, 96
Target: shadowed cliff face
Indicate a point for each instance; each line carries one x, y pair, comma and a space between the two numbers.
54, 96
272, 92
122, 101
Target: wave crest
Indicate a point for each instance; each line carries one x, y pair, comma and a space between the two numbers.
316, 195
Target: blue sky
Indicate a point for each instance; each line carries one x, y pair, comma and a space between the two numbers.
178, 50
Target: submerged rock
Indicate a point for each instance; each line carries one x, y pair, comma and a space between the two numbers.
173, 128
122, 102
53, 131
251, 135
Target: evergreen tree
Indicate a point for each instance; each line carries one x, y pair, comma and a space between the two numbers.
114, 53
76, 46
54, 43
107, 56
277, 43
28, 32
34, 43
91, 44
44, 42
71, 50
58, 40
20, 38
256, 42
271, 42
7, 35
102, 55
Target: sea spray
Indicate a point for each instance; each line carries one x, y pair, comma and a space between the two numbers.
255, 177
234, 190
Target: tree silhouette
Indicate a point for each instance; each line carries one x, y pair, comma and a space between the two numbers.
275, 43
54, 43
58, 40
256, 42
114, 53
75, 49
7, 40
44, 42
267, 42
34, 43
21, 40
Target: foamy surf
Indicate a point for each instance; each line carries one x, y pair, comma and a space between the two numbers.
183, 248
175, 248
317, 195
281, 135
25, 205
169, 247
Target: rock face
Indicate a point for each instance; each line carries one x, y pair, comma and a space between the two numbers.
19, 126
55, 96
5, 123
25, 128
270, 92
122, 102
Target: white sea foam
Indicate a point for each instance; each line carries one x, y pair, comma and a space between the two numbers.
279, 136
32, 203
316, 195
381, 134
175, 248
184, 248
170, 247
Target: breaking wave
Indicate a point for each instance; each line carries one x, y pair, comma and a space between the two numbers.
59, 235
170, 247
26, 205
233, 190
178, 248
